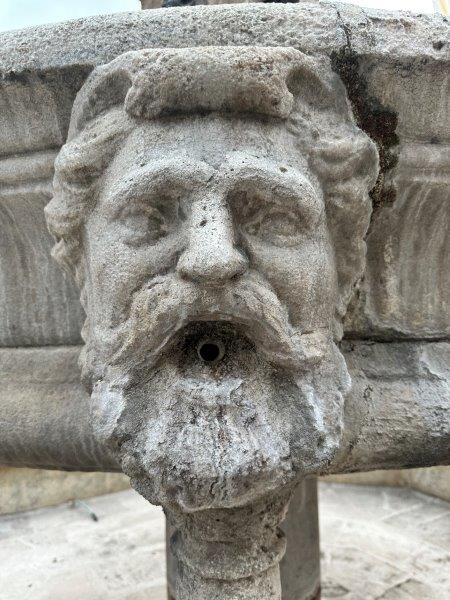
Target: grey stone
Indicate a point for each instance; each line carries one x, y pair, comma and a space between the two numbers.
25, 489
238, 184
434, 481
216, 194
300, 567
45, 412
40, 387
406, 285
384, 59
383, 543
172, 3
38, 304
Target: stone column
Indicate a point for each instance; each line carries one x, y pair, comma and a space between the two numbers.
300, 566
228, 553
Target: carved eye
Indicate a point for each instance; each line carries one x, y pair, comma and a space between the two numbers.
274, 225
143, 225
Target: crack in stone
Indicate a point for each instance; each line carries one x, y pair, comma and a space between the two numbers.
376, 120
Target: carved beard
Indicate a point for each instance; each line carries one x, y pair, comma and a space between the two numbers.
195, 436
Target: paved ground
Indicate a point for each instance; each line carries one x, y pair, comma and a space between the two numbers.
377, 544
382, 543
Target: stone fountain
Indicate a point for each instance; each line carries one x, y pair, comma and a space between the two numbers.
248, 208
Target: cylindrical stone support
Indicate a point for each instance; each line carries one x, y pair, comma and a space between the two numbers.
300, 567
228, 553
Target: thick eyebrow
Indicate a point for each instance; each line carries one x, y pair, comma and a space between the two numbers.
152, 178
280, 181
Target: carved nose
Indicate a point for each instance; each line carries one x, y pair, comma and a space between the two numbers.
211, 256
212, 265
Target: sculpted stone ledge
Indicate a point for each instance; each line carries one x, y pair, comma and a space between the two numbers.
46, 414
386, 59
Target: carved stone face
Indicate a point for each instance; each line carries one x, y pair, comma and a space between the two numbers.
212, 204
212, 201
211, 293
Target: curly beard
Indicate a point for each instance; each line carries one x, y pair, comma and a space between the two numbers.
195, 435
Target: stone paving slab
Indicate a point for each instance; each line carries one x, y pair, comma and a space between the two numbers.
377, 544
384, 544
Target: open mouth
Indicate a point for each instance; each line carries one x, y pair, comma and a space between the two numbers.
211, 351
216, 345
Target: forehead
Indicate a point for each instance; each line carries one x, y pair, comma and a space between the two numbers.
209, 139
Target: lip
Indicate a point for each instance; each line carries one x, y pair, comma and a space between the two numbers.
229, 339
165, 308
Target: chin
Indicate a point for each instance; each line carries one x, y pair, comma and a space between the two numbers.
214, 425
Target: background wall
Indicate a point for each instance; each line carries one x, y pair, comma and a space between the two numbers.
434, 481
24, 489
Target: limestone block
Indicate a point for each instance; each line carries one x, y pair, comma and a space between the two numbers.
44, 410
35, 105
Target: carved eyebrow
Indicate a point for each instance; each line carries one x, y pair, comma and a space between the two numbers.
276, 180
152, 179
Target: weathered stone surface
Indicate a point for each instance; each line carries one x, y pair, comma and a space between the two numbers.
38, 303
61, 552
172, 3
45, 412
405, 388
375, 542
434, 481
180, 222
213, 201
25, 489
300, 567
406, 287
46, 382
383, 544
385, 59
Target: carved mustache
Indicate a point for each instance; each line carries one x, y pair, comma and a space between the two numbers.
167, 304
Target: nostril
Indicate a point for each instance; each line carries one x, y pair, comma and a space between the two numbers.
211, 263
210, 351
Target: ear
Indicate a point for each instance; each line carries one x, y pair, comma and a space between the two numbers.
354, 157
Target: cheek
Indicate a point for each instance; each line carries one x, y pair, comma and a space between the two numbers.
303, 278
116, 270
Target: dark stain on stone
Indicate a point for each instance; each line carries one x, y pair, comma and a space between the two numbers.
378, 121
438, 45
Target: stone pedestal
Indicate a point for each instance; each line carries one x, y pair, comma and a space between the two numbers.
300, 566
229, 553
